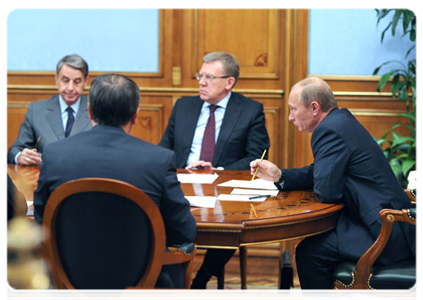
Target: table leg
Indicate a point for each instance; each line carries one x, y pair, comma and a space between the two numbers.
243, 266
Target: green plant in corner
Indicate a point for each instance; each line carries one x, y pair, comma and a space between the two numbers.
401, 150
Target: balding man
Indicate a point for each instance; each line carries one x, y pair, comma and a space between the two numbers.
350, 168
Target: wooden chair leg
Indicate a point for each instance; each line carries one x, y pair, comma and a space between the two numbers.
243, 266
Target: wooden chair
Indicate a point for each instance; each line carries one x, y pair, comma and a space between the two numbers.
107, 234
363, 275
411, 193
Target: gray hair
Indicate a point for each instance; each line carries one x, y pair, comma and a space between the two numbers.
316, 89
229, 63
75, 61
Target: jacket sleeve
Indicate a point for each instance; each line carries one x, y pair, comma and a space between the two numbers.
179, 223
167, 140
331, 158
25, 139
257, 140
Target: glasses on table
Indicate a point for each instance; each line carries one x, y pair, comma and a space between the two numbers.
208, 77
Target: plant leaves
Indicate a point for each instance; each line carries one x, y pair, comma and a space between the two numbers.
409, 116
406, 166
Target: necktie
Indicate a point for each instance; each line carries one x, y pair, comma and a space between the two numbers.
207, 146
70, 121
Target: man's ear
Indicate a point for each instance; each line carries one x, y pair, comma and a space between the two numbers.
230, 83
89, 111
135, 117
315, 106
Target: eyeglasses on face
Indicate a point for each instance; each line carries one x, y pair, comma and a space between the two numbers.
208, 77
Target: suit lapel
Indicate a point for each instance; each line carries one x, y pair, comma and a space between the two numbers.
54, 117
82, 121
232, 113
191, 118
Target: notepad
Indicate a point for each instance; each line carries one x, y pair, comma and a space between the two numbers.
197, 178
230, 197
250, 184
250, 192
202, 201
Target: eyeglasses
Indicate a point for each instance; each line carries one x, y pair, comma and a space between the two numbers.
208, 77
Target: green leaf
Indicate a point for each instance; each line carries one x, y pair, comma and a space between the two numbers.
389, 131
384, 79
409, 116
403, 93
396, 168
406, 166
395, 20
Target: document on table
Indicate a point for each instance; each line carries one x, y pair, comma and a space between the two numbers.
202, 201
229, 197
30, 211
250, 184
197, 178
272, 193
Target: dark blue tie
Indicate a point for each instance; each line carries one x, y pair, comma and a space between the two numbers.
70, 121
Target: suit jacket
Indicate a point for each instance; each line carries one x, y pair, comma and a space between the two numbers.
349, 167
109, 152
43, 118
242, 138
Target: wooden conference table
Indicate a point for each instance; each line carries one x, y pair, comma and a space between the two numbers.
233, 225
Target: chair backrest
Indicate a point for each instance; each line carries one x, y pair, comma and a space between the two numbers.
103, 234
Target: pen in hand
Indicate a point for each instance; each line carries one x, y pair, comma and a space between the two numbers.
261, 159
36, 144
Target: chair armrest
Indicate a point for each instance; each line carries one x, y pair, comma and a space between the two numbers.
388, 217
411, 193
187, 248
180, 254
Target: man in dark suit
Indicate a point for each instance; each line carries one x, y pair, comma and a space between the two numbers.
240, 133
349, 167
49, 120
237, 136
108, 151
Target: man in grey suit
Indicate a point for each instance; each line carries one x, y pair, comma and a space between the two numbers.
54, 118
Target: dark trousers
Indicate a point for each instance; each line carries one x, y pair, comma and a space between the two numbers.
316, 259
215, 260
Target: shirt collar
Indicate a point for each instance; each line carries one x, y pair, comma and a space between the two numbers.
222, 103
63, 104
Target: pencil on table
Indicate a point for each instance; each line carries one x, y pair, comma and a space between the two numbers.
254, 210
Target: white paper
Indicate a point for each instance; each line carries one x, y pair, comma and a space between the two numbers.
250, 184
30, 211
272, 193
229, 197
202, 201
197, 178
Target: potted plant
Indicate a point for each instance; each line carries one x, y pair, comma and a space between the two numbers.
401, 150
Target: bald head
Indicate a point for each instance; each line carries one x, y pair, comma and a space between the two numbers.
315, 89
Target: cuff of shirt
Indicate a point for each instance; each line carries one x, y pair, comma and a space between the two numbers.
280, 182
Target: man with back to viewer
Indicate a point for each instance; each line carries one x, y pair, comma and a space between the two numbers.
216, 129
350, 168
108, 151
51, 119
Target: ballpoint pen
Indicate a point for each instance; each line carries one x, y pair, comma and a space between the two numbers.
257, 197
